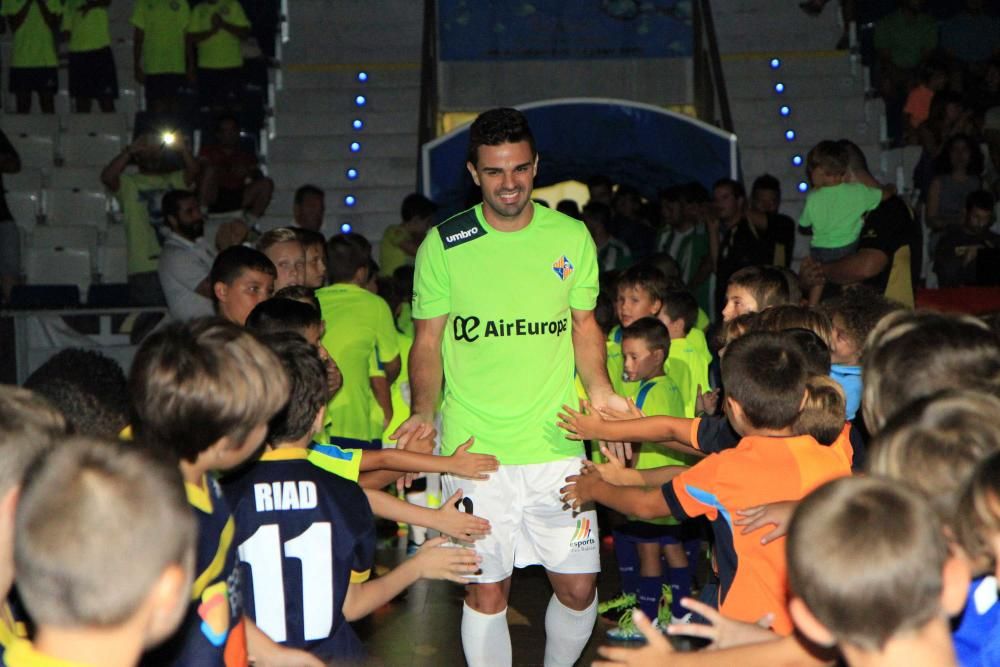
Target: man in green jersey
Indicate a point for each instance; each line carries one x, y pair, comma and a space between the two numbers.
503, 306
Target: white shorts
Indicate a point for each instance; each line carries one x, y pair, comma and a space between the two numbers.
529, 524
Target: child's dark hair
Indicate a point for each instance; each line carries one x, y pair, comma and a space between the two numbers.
299, 293
830, 155
498, 126
280, 315
89, 388
814, 350
859, 309
680, 304
651, 331
667, 265
788, 316
232, 262
309, 237
824, 412
645, 277
345, 255
767, 377
307, 392
766, 284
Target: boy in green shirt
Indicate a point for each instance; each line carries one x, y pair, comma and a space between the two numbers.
687, 363
34, 63
92, 73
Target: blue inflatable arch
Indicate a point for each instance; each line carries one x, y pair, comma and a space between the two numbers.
632, 143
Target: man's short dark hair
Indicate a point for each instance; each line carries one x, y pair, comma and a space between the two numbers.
766, 182
89, 388
980, 199
856, 160
307, 386
171, 204
345, 255
680, 304
232, 262
767, 376
416, 206
308, 190
280, 315
651, 331
734, 186
498, 126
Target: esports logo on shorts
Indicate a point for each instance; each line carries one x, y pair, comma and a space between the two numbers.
583, 537
471, 328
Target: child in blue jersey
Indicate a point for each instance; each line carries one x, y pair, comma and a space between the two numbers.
91, 510
202, 393
645, 345
29, 427
287, 504
373, 469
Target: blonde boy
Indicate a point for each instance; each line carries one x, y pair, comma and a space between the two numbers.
104, 551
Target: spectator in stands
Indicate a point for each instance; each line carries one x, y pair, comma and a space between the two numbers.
570, 208
903, 41
92, 73
740, 235
185, 260
765, 198
10, 236
968, 251
217, 29
959, 168
949, 117
628, 223
685, 237
612, 254
933, 79
400, 242
241, 278
162, 63
315, 246
34, 63
600, 189
972, 37
89, 388
231, 179
140, 195
889, 249
283, 247
309, 208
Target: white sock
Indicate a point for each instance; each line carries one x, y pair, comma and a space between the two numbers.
485, 638
567, 632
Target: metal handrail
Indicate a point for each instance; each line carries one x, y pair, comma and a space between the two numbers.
427, 123
710, 82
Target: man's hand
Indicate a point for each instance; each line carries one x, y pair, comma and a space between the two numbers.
437, 561
416, 427
655, 653
706, 402
472, 466
230, 233
721, 631
811, 273
777, 514
334, 378
458, 524
580, 489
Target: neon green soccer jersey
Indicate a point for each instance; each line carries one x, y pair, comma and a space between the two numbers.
687, 366
164, 25
357, 323
34, 43
222, 50
508, 348
659, 397
88, 30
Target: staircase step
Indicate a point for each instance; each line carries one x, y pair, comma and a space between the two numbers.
331, 173
343, 75
399, 97
301, 123
330, 146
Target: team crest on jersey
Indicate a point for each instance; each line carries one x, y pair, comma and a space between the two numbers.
563, 267
214, 612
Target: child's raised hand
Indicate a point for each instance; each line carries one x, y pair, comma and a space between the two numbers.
457, 524
580, 425
615, 471
473, 466
438, 561
631, 412
777, 514
706, 402
579, 491
721, 631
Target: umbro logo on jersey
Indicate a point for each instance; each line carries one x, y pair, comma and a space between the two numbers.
563, 267
462, 235
468, 328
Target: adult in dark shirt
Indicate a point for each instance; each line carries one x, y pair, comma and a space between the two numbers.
765, 197
739, 237
960, 257
628, 223
889, 251
10, 244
